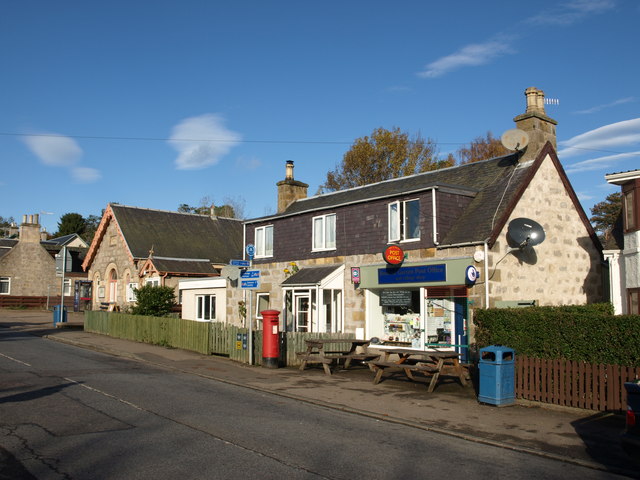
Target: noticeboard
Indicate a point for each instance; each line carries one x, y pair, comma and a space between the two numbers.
395, 298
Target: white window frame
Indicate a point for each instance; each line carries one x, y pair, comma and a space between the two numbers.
321, 233
130, 292
5, 281
262, 234
398, 221
258, 297
200, 306
67, 287
155, 281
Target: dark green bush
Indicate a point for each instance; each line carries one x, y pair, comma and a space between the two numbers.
154, 301
589, 333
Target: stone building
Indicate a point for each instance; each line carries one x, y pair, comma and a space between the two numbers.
322, 264
137, 246
28, 267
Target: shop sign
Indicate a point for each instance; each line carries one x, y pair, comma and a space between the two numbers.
393, 255
417, 274
355, 274
395, 298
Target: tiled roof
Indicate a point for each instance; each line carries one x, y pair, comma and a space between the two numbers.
179, 235
191, 267
310, 275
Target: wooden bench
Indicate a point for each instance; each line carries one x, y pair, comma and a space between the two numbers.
408, 368
307, 357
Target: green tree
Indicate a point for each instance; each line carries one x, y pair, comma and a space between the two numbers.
154, 301
71, 223
91, 225
481, 148
5, 223
384, 155
605, 214
232, 208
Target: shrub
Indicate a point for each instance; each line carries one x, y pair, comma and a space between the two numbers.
154, 301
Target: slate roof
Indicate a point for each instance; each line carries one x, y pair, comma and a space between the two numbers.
310, 275
63, 240
179, 235
493, 184
184, 267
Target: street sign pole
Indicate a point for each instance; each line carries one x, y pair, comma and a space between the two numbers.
250, 250
64, 269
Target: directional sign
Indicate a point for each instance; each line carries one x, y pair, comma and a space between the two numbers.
240, 263
60, 261
250, 284
250, 274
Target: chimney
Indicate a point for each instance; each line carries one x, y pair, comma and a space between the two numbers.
30, 229
290, 190
536, 123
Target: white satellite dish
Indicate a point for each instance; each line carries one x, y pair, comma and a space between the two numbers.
230, 272
515, 139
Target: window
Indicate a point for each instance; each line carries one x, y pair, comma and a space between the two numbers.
131, 294
205, 307
264, 241
404, 221
324, 232
155, 281
67, 287
630, 210
262, 303
5, 285
634, 301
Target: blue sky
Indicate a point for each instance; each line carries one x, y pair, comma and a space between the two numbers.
114, 101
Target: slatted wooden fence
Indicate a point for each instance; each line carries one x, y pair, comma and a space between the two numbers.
17, 301
573, 384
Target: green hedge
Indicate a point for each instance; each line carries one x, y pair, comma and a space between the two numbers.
588, 333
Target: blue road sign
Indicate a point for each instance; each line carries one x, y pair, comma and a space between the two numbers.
240, 263
251, 250
249, 284
250, 274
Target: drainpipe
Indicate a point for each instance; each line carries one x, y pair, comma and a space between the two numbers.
486, 275
433, 214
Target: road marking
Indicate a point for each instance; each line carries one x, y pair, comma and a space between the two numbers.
14, 359
133, 405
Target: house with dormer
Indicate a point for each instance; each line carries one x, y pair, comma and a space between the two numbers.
137, 246
406, 261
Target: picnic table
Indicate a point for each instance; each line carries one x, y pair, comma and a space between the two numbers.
317, 353
434, 363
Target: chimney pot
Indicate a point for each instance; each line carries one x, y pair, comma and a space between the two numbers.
289, 170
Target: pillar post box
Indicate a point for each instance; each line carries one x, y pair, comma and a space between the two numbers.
270, 338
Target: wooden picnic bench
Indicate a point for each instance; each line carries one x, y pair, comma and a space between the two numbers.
316, 353
429, 363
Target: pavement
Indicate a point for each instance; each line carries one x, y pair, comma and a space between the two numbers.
575, 436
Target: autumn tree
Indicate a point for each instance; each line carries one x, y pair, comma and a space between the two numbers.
481, 148
605, 214
384, 155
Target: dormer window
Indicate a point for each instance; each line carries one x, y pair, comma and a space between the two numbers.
404, 221
324, 232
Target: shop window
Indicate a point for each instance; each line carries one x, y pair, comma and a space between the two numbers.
404, 221
205, 307
324, 232
264, 241
634, 301
5, 285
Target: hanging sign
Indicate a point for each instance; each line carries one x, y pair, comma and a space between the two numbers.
355, 274
471, 275
393, 255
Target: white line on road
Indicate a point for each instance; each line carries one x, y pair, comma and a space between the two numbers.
14, 359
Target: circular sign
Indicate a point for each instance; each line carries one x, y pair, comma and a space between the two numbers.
393, 255
251, 250
472, 274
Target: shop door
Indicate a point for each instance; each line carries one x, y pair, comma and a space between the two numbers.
301, 311
461, 334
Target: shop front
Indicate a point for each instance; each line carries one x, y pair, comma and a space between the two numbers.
419, 305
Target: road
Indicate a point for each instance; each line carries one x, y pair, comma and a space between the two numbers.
70, 413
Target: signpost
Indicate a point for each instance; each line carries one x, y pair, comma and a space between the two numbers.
254, 283
63, 264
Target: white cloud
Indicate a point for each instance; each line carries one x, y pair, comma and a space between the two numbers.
615, 103
469, 56
601, 163
615, 135
54, 150
248, 163
85, 174
202, 141
571, 12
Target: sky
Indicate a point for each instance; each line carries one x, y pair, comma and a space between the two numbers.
161, 103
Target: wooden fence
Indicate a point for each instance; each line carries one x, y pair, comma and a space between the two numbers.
573, 384
213, 338
17, 301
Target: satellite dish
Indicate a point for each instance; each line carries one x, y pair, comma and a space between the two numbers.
230, 272
524, 232
515, 139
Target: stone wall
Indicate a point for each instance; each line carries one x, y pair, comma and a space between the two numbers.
32, 270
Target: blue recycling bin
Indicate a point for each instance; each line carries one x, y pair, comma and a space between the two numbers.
497, 375
56, 314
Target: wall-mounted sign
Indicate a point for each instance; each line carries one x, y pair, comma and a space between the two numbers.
418, 274
471, 275
355, 274
395, 298
393, 255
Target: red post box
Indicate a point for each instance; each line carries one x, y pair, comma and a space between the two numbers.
270, 338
